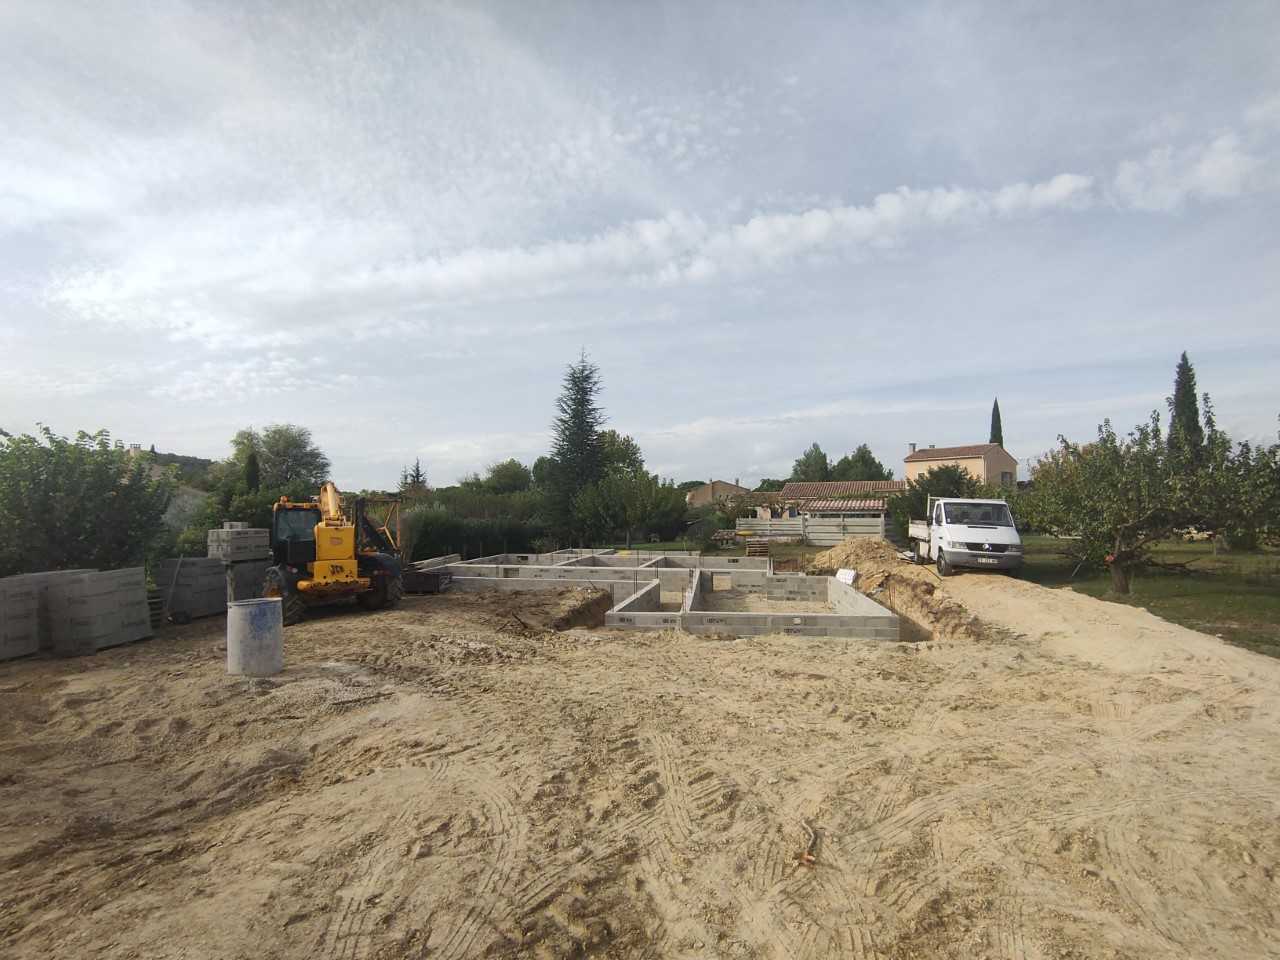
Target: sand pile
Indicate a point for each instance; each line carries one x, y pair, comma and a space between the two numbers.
912, 591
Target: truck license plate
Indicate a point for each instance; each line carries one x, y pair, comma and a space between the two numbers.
987, 560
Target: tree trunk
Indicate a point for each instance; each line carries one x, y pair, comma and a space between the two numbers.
1119, 578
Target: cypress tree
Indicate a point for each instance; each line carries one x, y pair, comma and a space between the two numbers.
1186, 436
575, 444
997, 429
252, 472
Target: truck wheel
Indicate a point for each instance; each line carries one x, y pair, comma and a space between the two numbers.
292, 609
944, 568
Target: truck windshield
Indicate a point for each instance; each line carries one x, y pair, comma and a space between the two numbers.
296, 524
978, 514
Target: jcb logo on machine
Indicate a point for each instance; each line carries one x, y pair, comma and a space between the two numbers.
335, 541
335, 568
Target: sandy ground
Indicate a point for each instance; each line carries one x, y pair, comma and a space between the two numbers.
451, 780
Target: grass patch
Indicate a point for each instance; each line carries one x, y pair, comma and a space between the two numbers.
1233, 595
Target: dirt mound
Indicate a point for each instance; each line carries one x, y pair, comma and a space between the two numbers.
912, 591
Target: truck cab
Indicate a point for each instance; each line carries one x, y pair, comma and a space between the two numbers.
963, 532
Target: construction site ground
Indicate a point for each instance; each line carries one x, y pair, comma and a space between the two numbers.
471, 775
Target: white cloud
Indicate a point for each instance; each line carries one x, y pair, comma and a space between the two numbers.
1168, 177
233, 276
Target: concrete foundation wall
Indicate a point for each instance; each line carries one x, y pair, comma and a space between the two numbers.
855, 616
618, 590
643, 611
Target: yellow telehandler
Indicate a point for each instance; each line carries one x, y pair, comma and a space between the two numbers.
322, 557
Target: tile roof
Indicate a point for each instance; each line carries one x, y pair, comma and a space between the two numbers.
839, 488
834, 506
950, 453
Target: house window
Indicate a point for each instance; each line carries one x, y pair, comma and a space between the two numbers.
1006, 478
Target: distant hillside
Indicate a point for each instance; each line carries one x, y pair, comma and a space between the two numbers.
192, 471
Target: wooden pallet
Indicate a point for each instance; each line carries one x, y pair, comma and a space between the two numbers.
757, 547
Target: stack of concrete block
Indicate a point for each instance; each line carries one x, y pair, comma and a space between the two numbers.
244, 579
235, 543
40, 582
19, 618
192, 586
92, 611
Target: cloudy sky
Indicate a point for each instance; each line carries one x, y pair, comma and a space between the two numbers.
768, 224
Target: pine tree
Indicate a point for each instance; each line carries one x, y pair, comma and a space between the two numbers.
252, 472
1186, 435
413, 479
575, 445
997, 429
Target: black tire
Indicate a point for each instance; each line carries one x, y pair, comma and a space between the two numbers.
395, 591
292, 608
944, 568
375, 598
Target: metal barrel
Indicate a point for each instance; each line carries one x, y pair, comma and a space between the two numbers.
255, 637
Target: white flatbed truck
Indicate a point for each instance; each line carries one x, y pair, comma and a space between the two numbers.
963, 532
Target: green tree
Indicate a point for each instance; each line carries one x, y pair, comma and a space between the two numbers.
619, 453
770, 485
575, 444
947, 480
509, 476
629, 505
1111, 500
77, 503
860, 465
287, 455
997, 429
252, 471
1186, 435
688, 485
812, 465
541, 472
1235, 491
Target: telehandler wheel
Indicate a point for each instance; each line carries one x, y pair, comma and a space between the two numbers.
395, 591
944, 568
292, 608
375, 598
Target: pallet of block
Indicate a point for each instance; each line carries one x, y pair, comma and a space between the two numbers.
236, 542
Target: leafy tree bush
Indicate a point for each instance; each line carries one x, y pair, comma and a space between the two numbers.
770, 485
812, 466
1112, 499
947, 480
434, 531
619, 453
860, 465
629, 505
287, 455
77, 503
509, 476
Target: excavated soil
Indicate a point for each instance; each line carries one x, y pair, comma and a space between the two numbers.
455, 779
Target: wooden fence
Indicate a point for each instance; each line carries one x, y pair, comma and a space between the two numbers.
819, 531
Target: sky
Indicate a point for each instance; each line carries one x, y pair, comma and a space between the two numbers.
768, 224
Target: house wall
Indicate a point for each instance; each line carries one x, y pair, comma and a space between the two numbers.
711, 492
976, 466
986, 468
